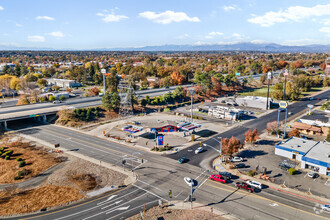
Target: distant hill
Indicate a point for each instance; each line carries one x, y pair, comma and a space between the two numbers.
244, 46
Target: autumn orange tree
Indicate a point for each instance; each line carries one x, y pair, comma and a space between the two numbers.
271, 127
94, 91
230, 146
251, 136
177, 78
294, 133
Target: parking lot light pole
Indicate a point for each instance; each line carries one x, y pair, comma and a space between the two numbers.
220, 147
191, 92
103, 71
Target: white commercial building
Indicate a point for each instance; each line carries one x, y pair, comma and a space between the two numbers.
312, 155
64, 83
225, 112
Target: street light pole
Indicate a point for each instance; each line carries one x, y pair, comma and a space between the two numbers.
191, 92
269, 76
103, 71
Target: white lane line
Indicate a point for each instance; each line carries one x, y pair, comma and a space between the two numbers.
97, 206
178, 194
151, 193
108, 199
200, 175
113, 209
116, 203
119, 209
150, 185
133, 209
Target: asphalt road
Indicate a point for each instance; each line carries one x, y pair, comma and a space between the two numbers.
156, 176
238, 132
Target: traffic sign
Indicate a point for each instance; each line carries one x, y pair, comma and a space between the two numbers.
269, 75
103, 71
31, 116
283, 104
237, 74
286, 73
310, 106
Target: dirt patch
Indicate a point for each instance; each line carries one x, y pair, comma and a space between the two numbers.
37, 160
85, 181
85, 175
36, 199
162, 212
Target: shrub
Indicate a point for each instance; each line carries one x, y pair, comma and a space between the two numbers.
18, 159
1, 148
62, 97
7, 157
8, 153
167, 110
252, 173
17, 178
292, 171
21, 163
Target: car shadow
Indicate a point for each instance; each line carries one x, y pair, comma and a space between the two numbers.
252, 153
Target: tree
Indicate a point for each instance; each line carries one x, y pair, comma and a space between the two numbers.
23, 100
111, 101
271, 127
230, 146
106, 101
144, 103
294, 133
112, 82
56, 88
42, 83
177, 78
94, 91
251, 136
51, 98
328, 136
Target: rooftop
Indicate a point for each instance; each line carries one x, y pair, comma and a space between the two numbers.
320, 152
317, 115
298, 144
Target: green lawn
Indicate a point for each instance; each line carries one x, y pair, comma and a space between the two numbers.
312, 90
258, 92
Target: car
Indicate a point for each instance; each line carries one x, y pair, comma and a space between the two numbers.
218, 178
225, 175
254, 184
240, 165
57, 101
312, 174
290, 113
326, 207
189, 181
245, 186
182, 160
236, 159
284, 167
311, 98
199, 150
167, 87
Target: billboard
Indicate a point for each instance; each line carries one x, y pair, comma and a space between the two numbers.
160, 140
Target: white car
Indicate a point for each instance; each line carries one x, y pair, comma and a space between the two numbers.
57, 102
254, 184
189, 181
326, 207
312, 174
199, 150
236, 159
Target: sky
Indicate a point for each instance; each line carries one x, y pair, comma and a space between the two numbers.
82, 24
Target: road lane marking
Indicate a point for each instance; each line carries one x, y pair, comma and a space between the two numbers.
263, 198
273, 204
108, 199
75, 206
145, 204
97, 206
112, 209
150, 185
116, 203
119, 209
150, 192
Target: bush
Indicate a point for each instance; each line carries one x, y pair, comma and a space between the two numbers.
7, 157
18, 159
167, 110
292, 171
1, 148
8, 153
17, 177
62, 97
22, 163
252, 173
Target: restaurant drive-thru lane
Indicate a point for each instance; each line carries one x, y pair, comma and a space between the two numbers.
157, 175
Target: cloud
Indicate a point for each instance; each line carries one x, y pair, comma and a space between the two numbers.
213, 34
259, 41
230, 7
184, 36
325, 29
326, 22
1, 8
294, 13
167, 17
57, 34
302, 42
36, 38
111, 17
18, 25
45, 18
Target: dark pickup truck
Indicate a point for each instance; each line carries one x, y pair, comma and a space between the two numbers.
245, 186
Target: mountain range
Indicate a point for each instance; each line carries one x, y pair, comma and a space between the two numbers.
244, 46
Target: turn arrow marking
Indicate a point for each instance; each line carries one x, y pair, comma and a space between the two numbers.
119, 209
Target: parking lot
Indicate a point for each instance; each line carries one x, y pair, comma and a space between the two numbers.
262, 156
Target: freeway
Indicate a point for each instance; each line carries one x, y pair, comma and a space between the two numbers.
238, 132
156, 176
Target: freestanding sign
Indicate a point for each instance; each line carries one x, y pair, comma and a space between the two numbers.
269, 75
283, 104
160, 140
237, 74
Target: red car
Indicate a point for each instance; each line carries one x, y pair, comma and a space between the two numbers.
218, 178
245, 186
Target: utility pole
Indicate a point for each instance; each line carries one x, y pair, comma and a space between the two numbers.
103, 71
269, 76
286, 73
